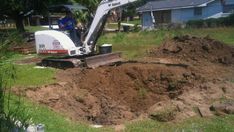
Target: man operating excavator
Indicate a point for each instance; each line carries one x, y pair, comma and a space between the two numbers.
68, 23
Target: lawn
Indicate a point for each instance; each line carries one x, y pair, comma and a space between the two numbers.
29, 75
35, 28
215, 124
133, 45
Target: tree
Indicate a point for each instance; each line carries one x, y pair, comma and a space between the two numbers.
131, 9
90, 4
18, 9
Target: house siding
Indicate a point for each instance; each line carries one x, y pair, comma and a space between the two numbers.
147, 22
183, 15
214, 9
229, 2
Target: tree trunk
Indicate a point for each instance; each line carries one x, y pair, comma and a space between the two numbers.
19, 23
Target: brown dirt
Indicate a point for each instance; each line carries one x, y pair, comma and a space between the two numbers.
197, 50
115, 94
25, 48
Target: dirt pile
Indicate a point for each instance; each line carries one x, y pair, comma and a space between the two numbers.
115, 94
110, 95
188, 48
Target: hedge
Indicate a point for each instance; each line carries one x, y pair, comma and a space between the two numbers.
212, 22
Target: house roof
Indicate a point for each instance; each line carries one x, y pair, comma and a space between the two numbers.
66, 7
172, 4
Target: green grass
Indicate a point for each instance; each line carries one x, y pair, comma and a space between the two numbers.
28, 75
137, 21
222, 34
27, 28
134, 44
11, 56
34, 28
215, 124
112, 25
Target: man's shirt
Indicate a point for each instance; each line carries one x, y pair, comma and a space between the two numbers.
67, 23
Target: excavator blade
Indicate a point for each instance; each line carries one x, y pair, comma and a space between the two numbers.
103, 59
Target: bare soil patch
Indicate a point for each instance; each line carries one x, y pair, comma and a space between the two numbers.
25, 48
114, 94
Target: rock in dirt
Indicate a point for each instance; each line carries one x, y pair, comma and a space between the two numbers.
226, 107
205, 112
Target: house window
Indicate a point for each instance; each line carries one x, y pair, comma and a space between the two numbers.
163, 16
198, 11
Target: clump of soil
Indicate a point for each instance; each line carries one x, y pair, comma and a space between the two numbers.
197, 49
115, 94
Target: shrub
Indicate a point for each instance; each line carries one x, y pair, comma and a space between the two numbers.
212, 22
13, 115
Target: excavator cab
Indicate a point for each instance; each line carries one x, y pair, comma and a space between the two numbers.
68, 23
58, 40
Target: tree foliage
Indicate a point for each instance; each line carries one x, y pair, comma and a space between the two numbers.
91, 4
18, 9
130, 11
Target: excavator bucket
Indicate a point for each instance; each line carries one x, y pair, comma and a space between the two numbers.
103, 59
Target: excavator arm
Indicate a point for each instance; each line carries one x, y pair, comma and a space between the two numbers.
99, 21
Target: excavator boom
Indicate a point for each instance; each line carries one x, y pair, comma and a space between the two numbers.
99, 21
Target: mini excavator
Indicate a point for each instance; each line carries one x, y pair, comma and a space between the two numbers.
57, 43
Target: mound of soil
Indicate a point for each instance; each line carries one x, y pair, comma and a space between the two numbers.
197, 49
110, 95
114, 94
